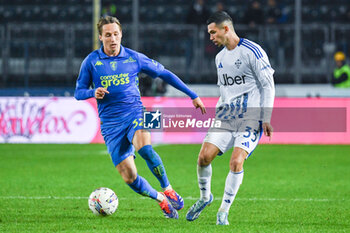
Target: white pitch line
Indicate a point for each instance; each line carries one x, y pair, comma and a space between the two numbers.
42, 197
186, 198
268, 199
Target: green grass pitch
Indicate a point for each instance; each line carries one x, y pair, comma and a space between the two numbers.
286, 188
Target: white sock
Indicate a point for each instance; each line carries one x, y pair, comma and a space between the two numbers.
160, 197
204, 181
233, 181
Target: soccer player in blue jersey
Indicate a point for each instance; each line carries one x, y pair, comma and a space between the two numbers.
112, 71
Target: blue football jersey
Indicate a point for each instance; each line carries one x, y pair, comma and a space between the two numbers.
118, 74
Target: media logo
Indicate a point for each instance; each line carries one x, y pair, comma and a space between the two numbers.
152, 120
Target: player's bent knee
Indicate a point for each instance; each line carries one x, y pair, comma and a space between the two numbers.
236, 165
129, 178
207, 153
141, 138
204, 159
128, 175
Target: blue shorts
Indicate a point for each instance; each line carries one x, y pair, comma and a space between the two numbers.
119, 132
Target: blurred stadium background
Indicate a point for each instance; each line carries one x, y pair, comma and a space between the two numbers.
44, 42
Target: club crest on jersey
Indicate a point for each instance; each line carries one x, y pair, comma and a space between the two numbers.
113, 65
238, 63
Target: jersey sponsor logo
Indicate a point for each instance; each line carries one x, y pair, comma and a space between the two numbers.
152, 120
113, 65
98, 63
238, 63
220, 65
115, 80
129, 60
229, 81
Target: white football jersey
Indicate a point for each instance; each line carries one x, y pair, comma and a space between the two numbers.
245, 78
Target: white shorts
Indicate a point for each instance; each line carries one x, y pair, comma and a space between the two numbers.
244, 134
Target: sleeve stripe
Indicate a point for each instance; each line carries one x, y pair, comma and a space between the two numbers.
253, 48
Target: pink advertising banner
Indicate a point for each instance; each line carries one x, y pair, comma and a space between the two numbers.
65, 120
48, 120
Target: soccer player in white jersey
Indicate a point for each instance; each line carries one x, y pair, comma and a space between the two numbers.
247, 93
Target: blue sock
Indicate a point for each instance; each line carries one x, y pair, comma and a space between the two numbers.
155, 164
141, 186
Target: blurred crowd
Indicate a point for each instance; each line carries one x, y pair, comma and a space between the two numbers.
252, 14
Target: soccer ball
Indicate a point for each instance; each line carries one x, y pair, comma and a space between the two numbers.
103, 202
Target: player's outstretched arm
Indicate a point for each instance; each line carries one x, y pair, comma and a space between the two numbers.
176, 82
155, 69
197, 103
268, 130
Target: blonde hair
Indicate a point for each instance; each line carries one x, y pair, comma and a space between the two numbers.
107, 20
